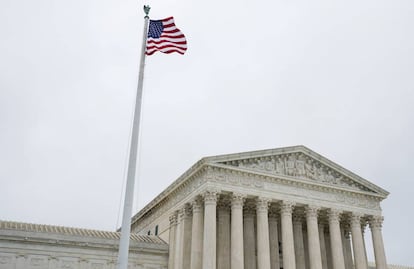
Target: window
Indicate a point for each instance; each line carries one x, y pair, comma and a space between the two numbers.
156, 229
149, 233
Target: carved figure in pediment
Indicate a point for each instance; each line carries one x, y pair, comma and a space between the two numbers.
318, 174
309, 169
300, 167
330, 178
290, 166
269, 166
280, 166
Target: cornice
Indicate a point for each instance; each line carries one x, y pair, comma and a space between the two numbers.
49, 232
208, 162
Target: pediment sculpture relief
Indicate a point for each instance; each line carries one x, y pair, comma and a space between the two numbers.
297, 165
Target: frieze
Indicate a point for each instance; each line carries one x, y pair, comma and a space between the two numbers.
300, 166
267, 183
261, 182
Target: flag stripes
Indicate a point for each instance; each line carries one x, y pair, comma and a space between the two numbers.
165, 37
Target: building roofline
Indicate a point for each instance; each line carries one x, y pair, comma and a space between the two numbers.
252, 154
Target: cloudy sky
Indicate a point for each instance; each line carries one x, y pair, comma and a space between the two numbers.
335, 76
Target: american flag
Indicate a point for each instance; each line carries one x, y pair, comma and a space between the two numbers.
165, 37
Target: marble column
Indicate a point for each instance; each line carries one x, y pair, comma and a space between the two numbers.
344, 249
197, 235
336, 242
314, 247
328, 248
223, 235
346, 244
305, 245
321, 231
186, 237
364, 223
210, 229
288, 248
349, 263
249, 237
237, 251
298, 242
178, 249
357, 242
375, 223
274, 239
263, 246
172, 240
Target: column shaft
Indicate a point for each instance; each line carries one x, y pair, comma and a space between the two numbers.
186, 237
249, 238
357, 242
237, 251
315, 260
336, 242
274, 241
197, 235
263, 247
298, 242
288, 248
379, 251
324, 260
210, 229
172, 240
349, 263
328, 249
223, 236
179, 236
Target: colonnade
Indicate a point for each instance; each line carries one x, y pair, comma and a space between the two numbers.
231, 232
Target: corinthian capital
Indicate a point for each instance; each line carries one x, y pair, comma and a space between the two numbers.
237, 200
312, 211
174, 218
375, 222
262, 204
286, 208
197, 204
356, 219
210, 196
334, 215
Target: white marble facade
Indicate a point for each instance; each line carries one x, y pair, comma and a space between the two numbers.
33, 246
285, 208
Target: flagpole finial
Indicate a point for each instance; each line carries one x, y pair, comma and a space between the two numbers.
146, 10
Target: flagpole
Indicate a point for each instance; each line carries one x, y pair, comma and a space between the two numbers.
129, 189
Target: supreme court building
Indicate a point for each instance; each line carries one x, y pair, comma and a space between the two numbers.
287, 208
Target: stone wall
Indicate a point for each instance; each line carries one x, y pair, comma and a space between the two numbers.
32, 246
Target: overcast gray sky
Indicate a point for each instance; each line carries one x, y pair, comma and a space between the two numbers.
335, 76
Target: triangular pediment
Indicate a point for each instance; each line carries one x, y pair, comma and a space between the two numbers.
297, 163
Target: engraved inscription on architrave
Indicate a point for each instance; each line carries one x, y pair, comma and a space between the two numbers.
297, 165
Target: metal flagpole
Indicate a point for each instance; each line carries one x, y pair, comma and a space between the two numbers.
129, 190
